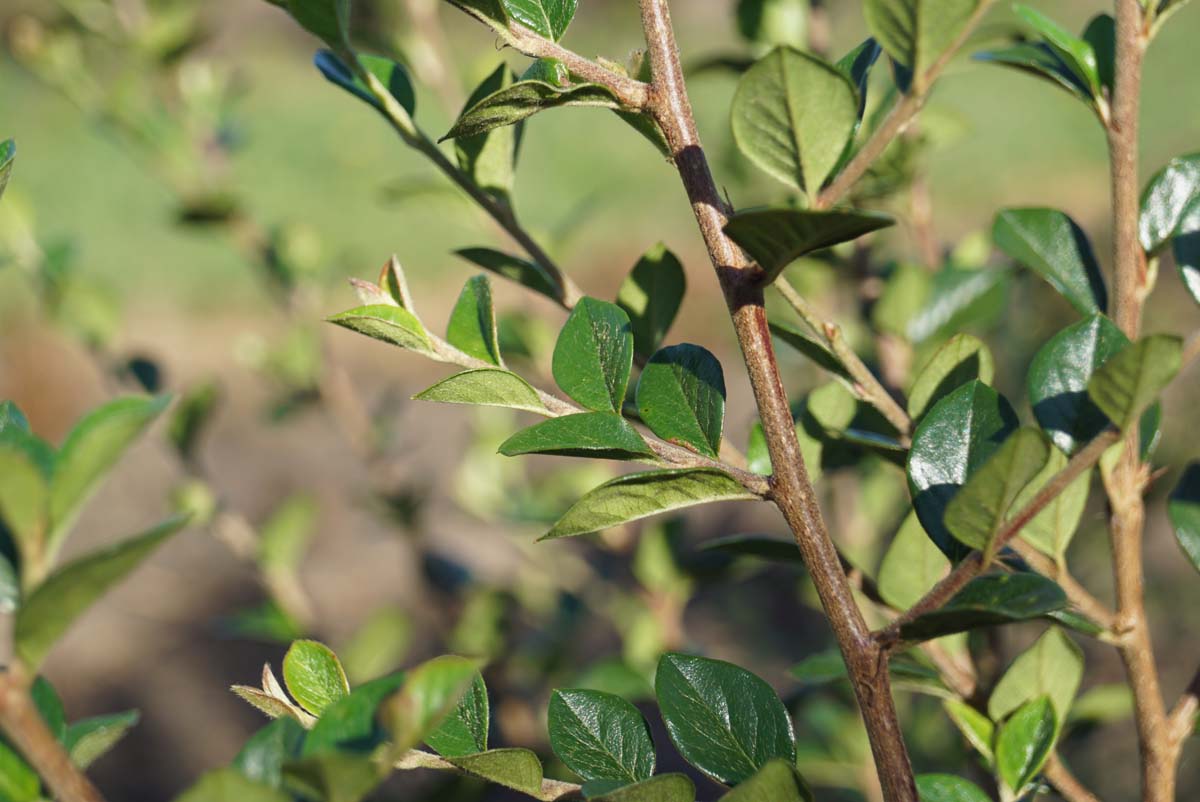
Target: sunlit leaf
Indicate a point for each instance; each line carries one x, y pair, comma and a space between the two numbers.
681, 397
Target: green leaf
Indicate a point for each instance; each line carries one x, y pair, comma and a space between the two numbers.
948, 788
525, 273
489, 387
773, 22
776, 237
1025, 742
325, 19
518, 769
1059, 376
651, 295
911, 566
1051, 529
764, 547
333, 776
1075, 53
1052, 667
681, 397
378, 645
392, 75
350, 722
8, 157
430, 695
1101, 35
640, 495
1052, 245
1183, 508
49, 706
24, 500
956, 298
89, 740
263, 756
91, 449
1130, 381
959, 360
978, 511
192, 413
777, 781
724, 720
989, 600
314, 676
465, 730
1041, 60
916, 33
391, 324
857, 66
1166, 200
954, 439
1186, 247
815, 351
792, 115
18, 782
594, 355
490, 159
284, 537
977, 728
663, 788
226, 785
490, 12
67, 593
603, 435
472, 327
524, 99
547, 18
600, 736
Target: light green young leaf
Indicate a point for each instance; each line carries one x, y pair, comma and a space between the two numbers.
489, 387
917, 33
524, 99
1025, 742
547, 18
378, 646
1051, 529
47, 613
773, 22
959, 360
390, 74
792, 115
391, 324
681, 397
518, 769
1166, 200
1130, 381
24, 499
777, 781
224, 785
662, 788
314, 676
472, 327
602, 435
977, 728
948, 788
465, 730
600, 736
1077, 54
640, 495
989, 600
18, 782
490, 159
525, 273
1183, 508
776, 237
911, 566
1052, 667
1052, 245
651, 295
8, 157
594, 355
284, 537
430, 694
89, 740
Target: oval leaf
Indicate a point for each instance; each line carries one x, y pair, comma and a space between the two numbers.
490, 158
392, 75
603, 435
489, 387
465, 731
777, 237
523, 100
1050, 243
525, 273
600, 736
518, 769
391, 324
663, 788
314, 676
1130, 381
681, 397
912, 565
350, 722
948, 788
959, 360
1024, 743
431, 693
1052, 667
778, 781
594, 355
989, 600
1166, 200
916, 33
472, 327
1051, 529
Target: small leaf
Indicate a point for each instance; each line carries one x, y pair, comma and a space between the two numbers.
350, 722
378, 645
600, 736
773, 22
815, 351
263, 756
723, 720
489, 387
547, 18
89, 740
284, 537
392, 75
1051, 529
989, 600
525, 273
916, 33
792, 115
977, 728
1101, 35
1166, 199
603, 435
776, 237
978, 511
764, 547
1186, 247
1025, 742
490, 159
192, 413
24, 499
681, 397
594, 355
957, 298
1183, 508
1041, 60
948, 788
465, 731
18, 782
314, 676
1052, 667
224, 785
333, 776
391, 324
777, 781
325, 19
524, 99
1052, 245
857, 66
1130, 381
959, 360
66, 594
651, 296
490, 12
1075, 53
8, 157
663, 788
518, 769
430, 694
640, 495
49, 706
472, 327
912, 565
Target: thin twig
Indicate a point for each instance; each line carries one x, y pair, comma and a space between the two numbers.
1077, 594
631, 93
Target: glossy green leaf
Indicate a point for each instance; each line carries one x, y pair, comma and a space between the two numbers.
594, 355
518, 769
1052, 245
603, 435
651, 295
524, 99
977, 728
1075, 53
948, 788
8, 157
472, 327
1186, 247
1166, 200
663, 788
1183, 508
911, 566
776, 237
1052, 667
66, 594
777, 781
430, 694
989, 600
978, 511
1051, 529
792, 115
525, 273
89, 740
815, 351
24, 499
600, 736
1131, 380
959, 360
490, 158
724, 720
314, 676
1039, 59
465, 730
1025, 742
916, 33
491, 13
390, 324
264, 754
681, 397
1101, 35
490, 387
956, 298
351, 722
548, 18
954, 439
640, 495
225, 785
390, 74
326, 19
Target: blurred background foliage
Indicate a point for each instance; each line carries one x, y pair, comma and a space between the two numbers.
189, 200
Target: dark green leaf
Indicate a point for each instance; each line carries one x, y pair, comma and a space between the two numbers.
325, 19
1186, 247
465, 731
959, 360
391, 75
912, 565
489, 387
857, 66
430, 694
651, 296
777, 237
1075, 53
548, 18
916, 33
390, 324
948, 788
264, 754
663, 788
603, 435
1040, 59
518, 769
681, 397
472, 327
523, 100
777, 781
524, 273
1130, 381
192, 413
987, 601
1101, 35
640, 495
723, 720
350, 722
1025, 742
1183, 508
1052, 667
333, 776
490, 159
600, 736
1166, 200
594, 355
314, 676
765, 547
8, 157
49, 705
1052, 245
812, 349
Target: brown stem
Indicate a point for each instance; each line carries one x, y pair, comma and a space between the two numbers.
1080, 597
22, 724
632, 93
1067, 784
793, 492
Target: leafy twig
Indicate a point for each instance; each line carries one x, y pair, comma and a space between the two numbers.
552, 790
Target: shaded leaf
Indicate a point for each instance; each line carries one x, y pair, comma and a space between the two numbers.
465, 731
948, 788
314, 676
681, 397
1052, 667
263, 756
651, 295
390, 324
594, 355
523, 100
1025, 742
1131, 380
24, 500
916, 33
1183, 508
604, 435
977, 728
812, 349
392, 75
663, 788
489, 387
1039, 59
1051, 529
765, 547
351, 722
1052, 245
430, 694
472, 327
333, 776
600, 736
989, 600
776, 237
227, 785
959, 360
777, 781
911, 566
1075, 53
521, 271
773, 22
489, 159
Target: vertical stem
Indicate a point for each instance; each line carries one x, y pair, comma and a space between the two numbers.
793, 493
